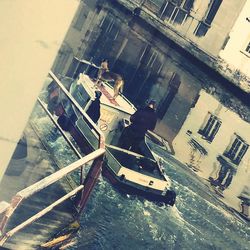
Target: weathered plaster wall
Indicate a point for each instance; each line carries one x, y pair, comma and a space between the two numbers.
199, 47
224, 19
234, 53
209, 165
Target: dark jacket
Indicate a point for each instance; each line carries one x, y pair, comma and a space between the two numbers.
94, 110
143, 120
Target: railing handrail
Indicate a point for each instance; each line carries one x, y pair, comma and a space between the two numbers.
80, 109
58, 175
39, 215
45, 182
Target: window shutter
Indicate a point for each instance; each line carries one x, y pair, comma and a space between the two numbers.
242, 152
215, 130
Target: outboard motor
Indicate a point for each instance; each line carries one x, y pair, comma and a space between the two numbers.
170, 197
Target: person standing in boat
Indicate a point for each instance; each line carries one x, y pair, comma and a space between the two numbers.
141, 121
118, 87
103, 68
94, 110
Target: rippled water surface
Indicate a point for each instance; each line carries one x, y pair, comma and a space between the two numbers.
198, 221
117, 221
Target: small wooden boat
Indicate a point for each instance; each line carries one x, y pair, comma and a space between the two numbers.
131, 172
137, 174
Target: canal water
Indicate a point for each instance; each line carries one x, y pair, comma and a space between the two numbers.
113, 220
198, 220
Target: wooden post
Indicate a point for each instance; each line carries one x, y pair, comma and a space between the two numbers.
90, 182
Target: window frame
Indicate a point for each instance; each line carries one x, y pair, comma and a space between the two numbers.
205, 24
210, 134
212, 11
179, 9
236, 149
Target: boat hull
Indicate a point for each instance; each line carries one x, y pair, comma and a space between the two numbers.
128, 187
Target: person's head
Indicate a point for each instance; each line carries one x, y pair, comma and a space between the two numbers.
105, 60
98, 94
152, 104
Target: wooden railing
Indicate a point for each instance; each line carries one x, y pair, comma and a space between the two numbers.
85, 186
47, 181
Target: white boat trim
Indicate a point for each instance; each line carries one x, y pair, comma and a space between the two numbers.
143, 180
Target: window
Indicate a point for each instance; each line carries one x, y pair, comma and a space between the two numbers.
248, 48
188, 4
211, 128
212, 11
204, 25
236, 150
176, 10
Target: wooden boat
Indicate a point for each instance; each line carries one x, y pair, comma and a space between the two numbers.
137, 174
131, 172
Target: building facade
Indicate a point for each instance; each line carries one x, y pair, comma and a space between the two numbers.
199, 21
237, 49
202, 28
214, 142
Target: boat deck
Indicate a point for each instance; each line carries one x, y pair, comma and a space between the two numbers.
139, 164
107, 94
